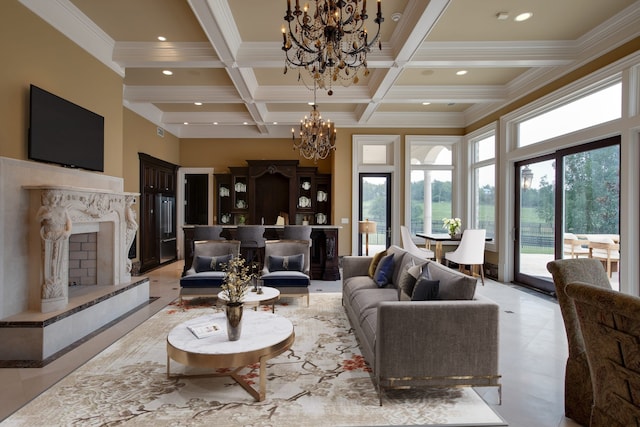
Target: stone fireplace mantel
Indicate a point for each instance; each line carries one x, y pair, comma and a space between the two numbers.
59, 211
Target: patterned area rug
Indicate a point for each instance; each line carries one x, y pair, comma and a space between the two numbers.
321, 381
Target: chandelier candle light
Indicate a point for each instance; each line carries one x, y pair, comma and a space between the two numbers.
317, 137
330, 42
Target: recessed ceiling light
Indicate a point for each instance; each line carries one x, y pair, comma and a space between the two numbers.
461, 72
186, 123
426, 103
395, 17
167, 72
523, 16
162, 38
310, 103
275, 123
198, 103
215, 123
245, 123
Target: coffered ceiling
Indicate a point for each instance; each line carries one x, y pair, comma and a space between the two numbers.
226, 54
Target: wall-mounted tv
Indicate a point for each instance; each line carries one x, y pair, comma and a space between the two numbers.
64, 133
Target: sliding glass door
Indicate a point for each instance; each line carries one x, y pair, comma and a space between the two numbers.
568, 212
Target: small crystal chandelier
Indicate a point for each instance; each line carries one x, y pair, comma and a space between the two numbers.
317, 137
330, 43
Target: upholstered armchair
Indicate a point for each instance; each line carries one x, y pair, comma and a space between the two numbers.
286, 267
610, 325
578, 393
206, 275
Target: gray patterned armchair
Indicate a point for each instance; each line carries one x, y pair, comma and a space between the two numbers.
578, 392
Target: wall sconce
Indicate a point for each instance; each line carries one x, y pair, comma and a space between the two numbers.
527, 178
367, 227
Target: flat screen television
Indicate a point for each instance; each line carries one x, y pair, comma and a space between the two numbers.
64, 133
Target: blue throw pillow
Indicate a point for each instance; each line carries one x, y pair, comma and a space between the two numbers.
425, 290
212, 263
384, 271
286, 263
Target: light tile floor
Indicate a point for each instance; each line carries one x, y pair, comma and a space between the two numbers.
533, 350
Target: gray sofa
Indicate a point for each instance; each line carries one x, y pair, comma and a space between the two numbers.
445, 342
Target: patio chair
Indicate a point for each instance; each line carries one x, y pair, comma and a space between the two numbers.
606, 251
575, 247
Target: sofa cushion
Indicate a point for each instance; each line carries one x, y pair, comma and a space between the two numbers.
425, 289
384, 271
286, 263
211, 263
407, 281
354, 284
453, 284
375, 261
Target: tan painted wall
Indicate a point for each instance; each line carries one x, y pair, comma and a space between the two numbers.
34, 52
220, 153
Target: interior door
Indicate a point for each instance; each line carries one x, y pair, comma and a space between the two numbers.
196, 199
375, 205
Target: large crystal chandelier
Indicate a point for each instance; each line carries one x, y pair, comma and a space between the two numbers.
329, 42
317, 137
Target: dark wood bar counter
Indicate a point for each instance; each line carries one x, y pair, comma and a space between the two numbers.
324, 247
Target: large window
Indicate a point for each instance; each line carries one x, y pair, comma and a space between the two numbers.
598, 107
431, 185
483, 183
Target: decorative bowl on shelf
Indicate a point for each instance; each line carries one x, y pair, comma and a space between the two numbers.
304, 202
224, 192
241, 187
225, 218
322, 196
321, 218
306, 185
241, 204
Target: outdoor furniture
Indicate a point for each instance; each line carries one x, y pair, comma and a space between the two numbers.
578, 393
610, 325
470, 251
607, 252
409, 245
284, 269
575, 247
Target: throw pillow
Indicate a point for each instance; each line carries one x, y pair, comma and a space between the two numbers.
286, 263
374, 262
384, 271
212, 263
407, 281
425, 290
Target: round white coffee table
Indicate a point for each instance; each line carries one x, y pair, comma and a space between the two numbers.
264, 336
268, 296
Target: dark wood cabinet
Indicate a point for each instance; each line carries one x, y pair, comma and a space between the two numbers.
265, 189
157, 180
